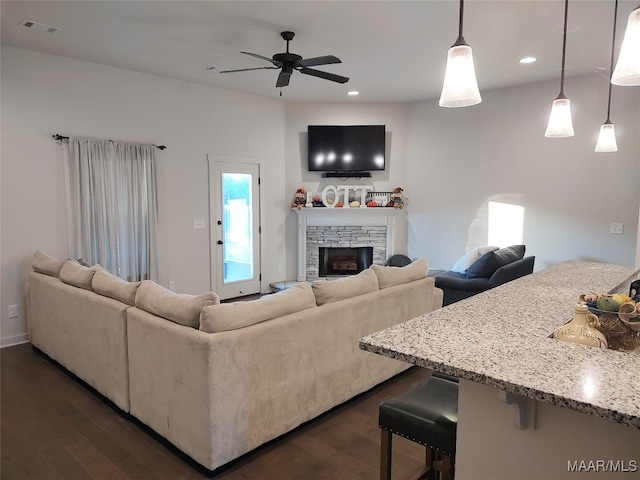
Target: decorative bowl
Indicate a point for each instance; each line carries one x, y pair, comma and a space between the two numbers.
620, 328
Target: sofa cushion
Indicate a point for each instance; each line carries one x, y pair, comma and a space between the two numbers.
109, 285
487, 264
510, 254
180, 308
470, 257
327, 291
43, 263
78, 275
234, 315
390, 276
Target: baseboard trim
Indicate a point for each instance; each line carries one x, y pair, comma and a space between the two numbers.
16, 340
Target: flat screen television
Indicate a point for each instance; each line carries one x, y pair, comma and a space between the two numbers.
346, 148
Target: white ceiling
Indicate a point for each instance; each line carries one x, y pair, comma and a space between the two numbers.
392, 50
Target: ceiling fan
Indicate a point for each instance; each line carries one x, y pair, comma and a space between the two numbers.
288, 62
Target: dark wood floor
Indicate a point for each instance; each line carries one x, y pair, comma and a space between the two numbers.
55, 427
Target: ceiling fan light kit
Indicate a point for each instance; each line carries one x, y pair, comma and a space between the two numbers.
460, 87
560, 123
627, 71
288, 62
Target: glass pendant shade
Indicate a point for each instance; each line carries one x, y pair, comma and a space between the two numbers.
607, 138
627, 71
560, 124
460, 88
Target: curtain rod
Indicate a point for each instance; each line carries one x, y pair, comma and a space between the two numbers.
57, 137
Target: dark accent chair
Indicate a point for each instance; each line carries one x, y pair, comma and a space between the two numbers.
458, 286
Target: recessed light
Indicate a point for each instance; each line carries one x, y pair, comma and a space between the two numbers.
353, 93
528, 60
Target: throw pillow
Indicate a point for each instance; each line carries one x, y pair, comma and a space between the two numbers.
390, 276
234, 315
180, 308
486, 265
328, 291
109, 285
469, 258
78, 275
43, 263
510, 254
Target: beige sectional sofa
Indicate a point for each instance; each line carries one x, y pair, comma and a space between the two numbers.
218, 380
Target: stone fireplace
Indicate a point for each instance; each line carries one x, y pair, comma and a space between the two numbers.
371, 229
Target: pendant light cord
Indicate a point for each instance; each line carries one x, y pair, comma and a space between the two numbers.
564, 46
613, 48
460, 39
461, 17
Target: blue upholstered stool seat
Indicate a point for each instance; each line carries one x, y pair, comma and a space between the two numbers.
428, 415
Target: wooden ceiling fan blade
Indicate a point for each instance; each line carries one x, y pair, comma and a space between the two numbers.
326, 75
247, 69
262, 57
324, 60
283, 79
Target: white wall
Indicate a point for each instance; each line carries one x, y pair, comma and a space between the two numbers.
44, 94
299, 115
459, 158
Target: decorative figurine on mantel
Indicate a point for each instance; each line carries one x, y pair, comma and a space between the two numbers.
299, 199
396, 200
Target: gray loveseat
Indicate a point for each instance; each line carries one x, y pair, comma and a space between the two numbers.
218, 380
491, 269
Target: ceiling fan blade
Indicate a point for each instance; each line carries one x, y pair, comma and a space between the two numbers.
261, 57
312, 62
326, 75
283, 79
247, 69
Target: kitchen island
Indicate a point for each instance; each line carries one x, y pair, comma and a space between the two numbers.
531, 407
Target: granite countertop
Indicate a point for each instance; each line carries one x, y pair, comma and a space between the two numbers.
501, 338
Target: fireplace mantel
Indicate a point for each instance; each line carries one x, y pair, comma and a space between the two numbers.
336, 217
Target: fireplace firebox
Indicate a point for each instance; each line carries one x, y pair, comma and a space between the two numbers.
344, 261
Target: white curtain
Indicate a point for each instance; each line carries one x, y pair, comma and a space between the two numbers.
114, 206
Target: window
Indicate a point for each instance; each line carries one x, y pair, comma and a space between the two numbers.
505, 224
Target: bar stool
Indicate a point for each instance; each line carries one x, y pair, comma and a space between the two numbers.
428, 415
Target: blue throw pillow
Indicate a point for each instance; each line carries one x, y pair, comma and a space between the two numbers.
488, 263
484, 267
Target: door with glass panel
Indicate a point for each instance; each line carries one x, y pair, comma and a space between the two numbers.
235, 228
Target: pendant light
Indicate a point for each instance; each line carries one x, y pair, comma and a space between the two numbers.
607, 138
460, 88
560, 124
627, 71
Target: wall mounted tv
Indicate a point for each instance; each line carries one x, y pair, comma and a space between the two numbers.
346, 148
